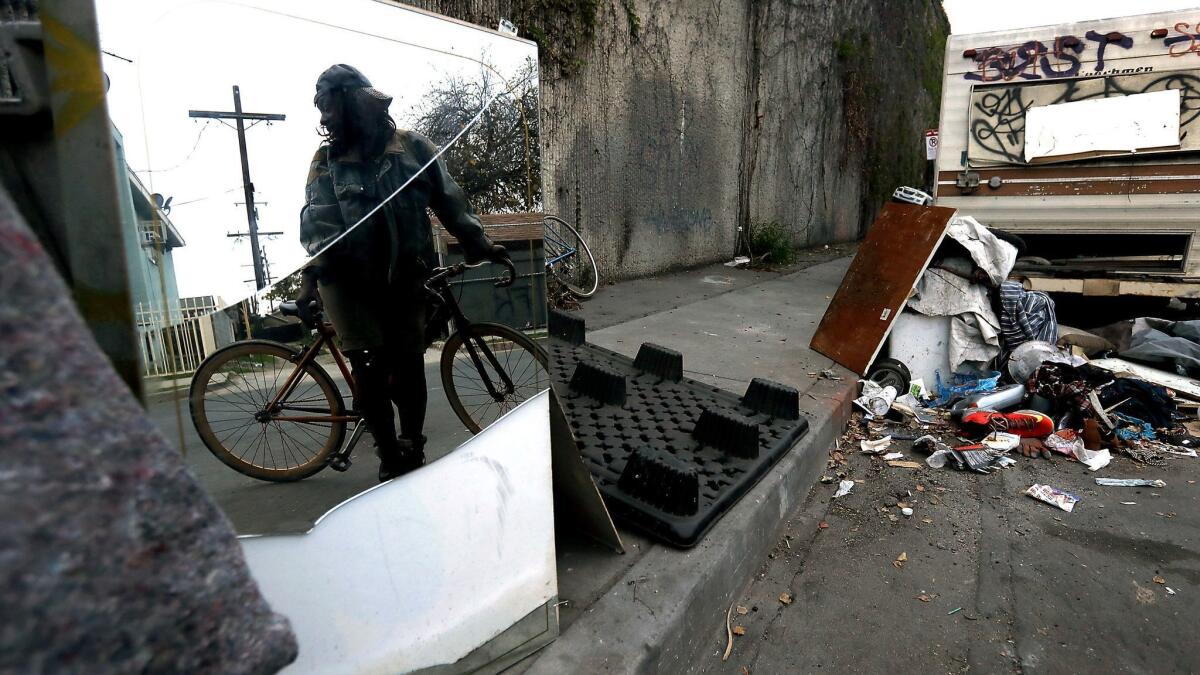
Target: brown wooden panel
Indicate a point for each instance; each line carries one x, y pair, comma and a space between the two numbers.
501, 227
890, 259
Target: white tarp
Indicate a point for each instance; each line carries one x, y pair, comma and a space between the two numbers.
1103, 125
974, 329
992, 255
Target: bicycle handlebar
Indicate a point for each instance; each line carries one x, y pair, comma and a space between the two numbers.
458, 269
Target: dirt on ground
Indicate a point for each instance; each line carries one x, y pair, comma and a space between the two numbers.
981, 577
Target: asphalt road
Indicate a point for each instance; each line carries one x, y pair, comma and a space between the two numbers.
259, 507
993, 581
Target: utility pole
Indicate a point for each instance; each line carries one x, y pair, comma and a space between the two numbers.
260, 278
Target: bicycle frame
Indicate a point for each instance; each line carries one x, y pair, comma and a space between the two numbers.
569, 250
324, 337
439, 288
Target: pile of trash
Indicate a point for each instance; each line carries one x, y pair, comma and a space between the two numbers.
990, 375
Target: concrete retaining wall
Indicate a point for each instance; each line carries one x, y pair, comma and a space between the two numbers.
667, 124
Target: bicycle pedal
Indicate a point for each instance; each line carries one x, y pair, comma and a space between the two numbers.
340, 464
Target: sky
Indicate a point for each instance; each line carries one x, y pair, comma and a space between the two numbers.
974, 16
273, 50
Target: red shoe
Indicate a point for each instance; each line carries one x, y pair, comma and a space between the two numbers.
1023, 423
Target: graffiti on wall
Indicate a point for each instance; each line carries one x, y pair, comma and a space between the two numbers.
997, 119
1064, 56
676, 220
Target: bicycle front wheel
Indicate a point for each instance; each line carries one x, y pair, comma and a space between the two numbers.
568, 257
230, 400
490, 370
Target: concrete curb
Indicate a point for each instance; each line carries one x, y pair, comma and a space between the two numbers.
664, 612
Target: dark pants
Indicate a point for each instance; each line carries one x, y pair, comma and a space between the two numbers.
385, 378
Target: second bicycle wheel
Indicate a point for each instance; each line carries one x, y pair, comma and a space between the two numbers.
496, 355
230, 400
568, 257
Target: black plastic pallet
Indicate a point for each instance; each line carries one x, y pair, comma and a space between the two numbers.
669, 454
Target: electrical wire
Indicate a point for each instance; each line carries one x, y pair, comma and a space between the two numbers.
185, 159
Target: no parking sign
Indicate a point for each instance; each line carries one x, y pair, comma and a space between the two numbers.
931, 144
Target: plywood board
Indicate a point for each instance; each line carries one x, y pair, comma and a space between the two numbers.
890, 260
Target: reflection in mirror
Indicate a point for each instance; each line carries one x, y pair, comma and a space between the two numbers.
318, 252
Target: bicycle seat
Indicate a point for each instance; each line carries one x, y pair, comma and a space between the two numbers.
289, 309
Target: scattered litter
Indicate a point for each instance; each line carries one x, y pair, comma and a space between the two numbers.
894, 455
828, 374
844, 488
956, 610
1158, 579
1003, 462
1000, 441
900, 560
739, 261
739, 630
875, 399
1130, 482
1179, 452
741, 610
907, 511
827, 479
1064, 442
728, 634
1129, 503
876, 446
1094, 460
924, 598
822, 525
785, 598
1053, 496
903, 464
1170, 591
927, 521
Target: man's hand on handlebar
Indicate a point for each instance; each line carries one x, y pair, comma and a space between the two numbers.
308, 300
499, 255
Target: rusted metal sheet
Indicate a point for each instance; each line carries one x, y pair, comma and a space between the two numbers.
1079, 181
890, 260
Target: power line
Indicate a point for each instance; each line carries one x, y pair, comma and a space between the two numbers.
185, 159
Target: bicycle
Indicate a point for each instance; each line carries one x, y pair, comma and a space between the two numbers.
266, 430
568, 257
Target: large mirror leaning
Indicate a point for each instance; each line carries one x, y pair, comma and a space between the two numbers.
334, 239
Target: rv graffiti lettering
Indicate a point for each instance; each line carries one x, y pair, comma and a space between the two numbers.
1033, 61
997, 127
1187, 42
1104, 40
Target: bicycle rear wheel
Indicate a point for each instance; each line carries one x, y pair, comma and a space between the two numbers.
568, 257
228, 399
491, 353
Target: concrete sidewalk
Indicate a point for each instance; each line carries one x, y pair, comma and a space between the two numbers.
653, 609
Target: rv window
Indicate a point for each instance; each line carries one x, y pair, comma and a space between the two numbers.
1088, 128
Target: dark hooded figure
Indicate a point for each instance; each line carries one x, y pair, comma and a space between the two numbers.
371, 281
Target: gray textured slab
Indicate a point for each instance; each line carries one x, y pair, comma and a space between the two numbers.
112, 558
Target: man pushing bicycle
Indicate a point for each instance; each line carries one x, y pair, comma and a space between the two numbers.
371, 280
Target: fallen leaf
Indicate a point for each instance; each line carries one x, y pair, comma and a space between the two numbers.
741, 610
1159, 580
838, 457
903, 505
822, 525
920, 488
785, 598
900, 560
738, 630
903, 464
927, 521
924, 598
745, 670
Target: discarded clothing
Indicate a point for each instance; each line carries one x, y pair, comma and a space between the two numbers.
1141, 400
974, 329
1025, 315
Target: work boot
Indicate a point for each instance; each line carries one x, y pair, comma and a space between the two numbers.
413, 457
393, 459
